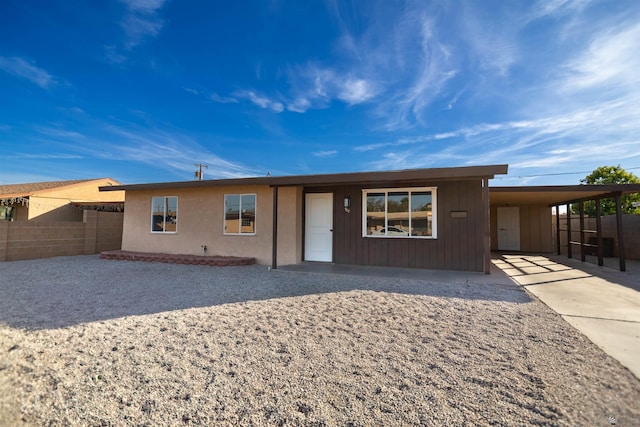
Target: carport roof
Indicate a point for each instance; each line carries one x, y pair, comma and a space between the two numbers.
556, 194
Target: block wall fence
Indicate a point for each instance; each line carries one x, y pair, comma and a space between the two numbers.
630, 224
98, 232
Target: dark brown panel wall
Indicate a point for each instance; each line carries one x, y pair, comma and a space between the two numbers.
457, 247
535, 228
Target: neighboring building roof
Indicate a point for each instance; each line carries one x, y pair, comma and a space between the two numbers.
557, 194
33, 188
370, 178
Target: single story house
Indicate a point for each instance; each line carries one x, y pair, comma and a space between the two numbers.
435, 218
56, 200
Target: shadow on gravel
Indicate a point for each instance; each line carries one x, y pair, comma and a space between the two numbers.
65, 291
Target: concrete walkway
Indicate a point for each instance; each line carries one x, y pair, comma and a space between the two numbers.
602, 303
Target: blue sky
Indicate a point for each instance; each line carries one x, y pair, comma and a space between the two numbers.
140, 90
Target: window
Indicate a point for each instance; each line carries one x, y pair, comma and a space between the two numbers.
7, 212
164, 214
400, 212
239, 214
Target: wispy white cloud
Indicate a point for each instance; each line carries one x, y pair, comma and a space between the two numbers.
299, 105
148, 144
393, 61
583, 92
261, 100
611, 58
315, 86
403, 57
46, 156
73, 110
312, 86
325, 153
113, 55
144, 6
173, 152
22, 68
601, 132
142, 20
222, 99
212, 96
59, 133
490, 35
356, 91
555, 8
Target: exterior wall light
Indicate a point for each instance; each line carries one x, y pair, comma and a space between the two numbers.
347, 204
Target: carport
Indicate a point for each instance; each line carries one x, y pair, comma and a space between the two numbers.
565, 195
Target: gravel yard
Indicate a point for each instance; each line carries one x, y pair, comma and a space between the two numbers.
85, 341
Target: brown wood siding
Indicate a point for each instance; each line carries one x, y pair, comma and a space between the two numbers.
536, 228
457, 247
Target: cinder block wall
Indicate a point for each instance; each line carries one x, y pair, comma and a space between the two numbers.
108, 231
630, 225
98, 232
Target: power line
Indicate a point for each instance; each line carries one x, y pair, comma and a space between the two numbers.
557, 174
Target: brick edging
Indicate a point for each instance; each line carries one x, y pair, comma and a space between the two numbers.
218, 261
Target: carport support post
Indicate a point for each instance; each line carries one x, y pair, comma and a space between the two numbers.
558, 229
621, 255
568, 230
599, 233
583, 252
487, 226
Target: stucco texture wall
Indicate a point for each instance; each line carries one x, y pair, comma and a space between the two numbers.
55, 204
201, 222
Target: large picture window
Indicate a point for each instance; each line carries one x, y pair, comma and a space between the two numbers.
164, 214
239, 214
400, 213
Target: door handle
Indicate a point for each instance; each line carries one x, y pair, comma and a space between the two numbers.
331, 230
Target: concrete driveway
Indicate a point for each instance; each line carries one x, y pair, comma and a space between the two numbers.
602, 303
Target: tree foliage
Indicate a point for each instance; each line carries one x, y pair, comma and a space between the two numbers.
610, 175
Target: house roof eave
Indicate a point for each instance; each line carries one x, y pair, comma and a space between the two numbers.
407, 175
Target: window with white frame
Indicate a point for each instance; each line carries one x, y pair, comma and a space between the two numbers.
164, 214
239, 214
399, 212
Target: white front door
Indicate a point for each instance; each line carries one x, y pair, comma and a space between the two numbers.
508, 228
318, 241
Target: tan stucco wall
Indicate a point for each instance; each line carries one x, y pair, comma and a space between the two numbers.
290, 225
201, 222
52, 208
54, 205
87, 191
